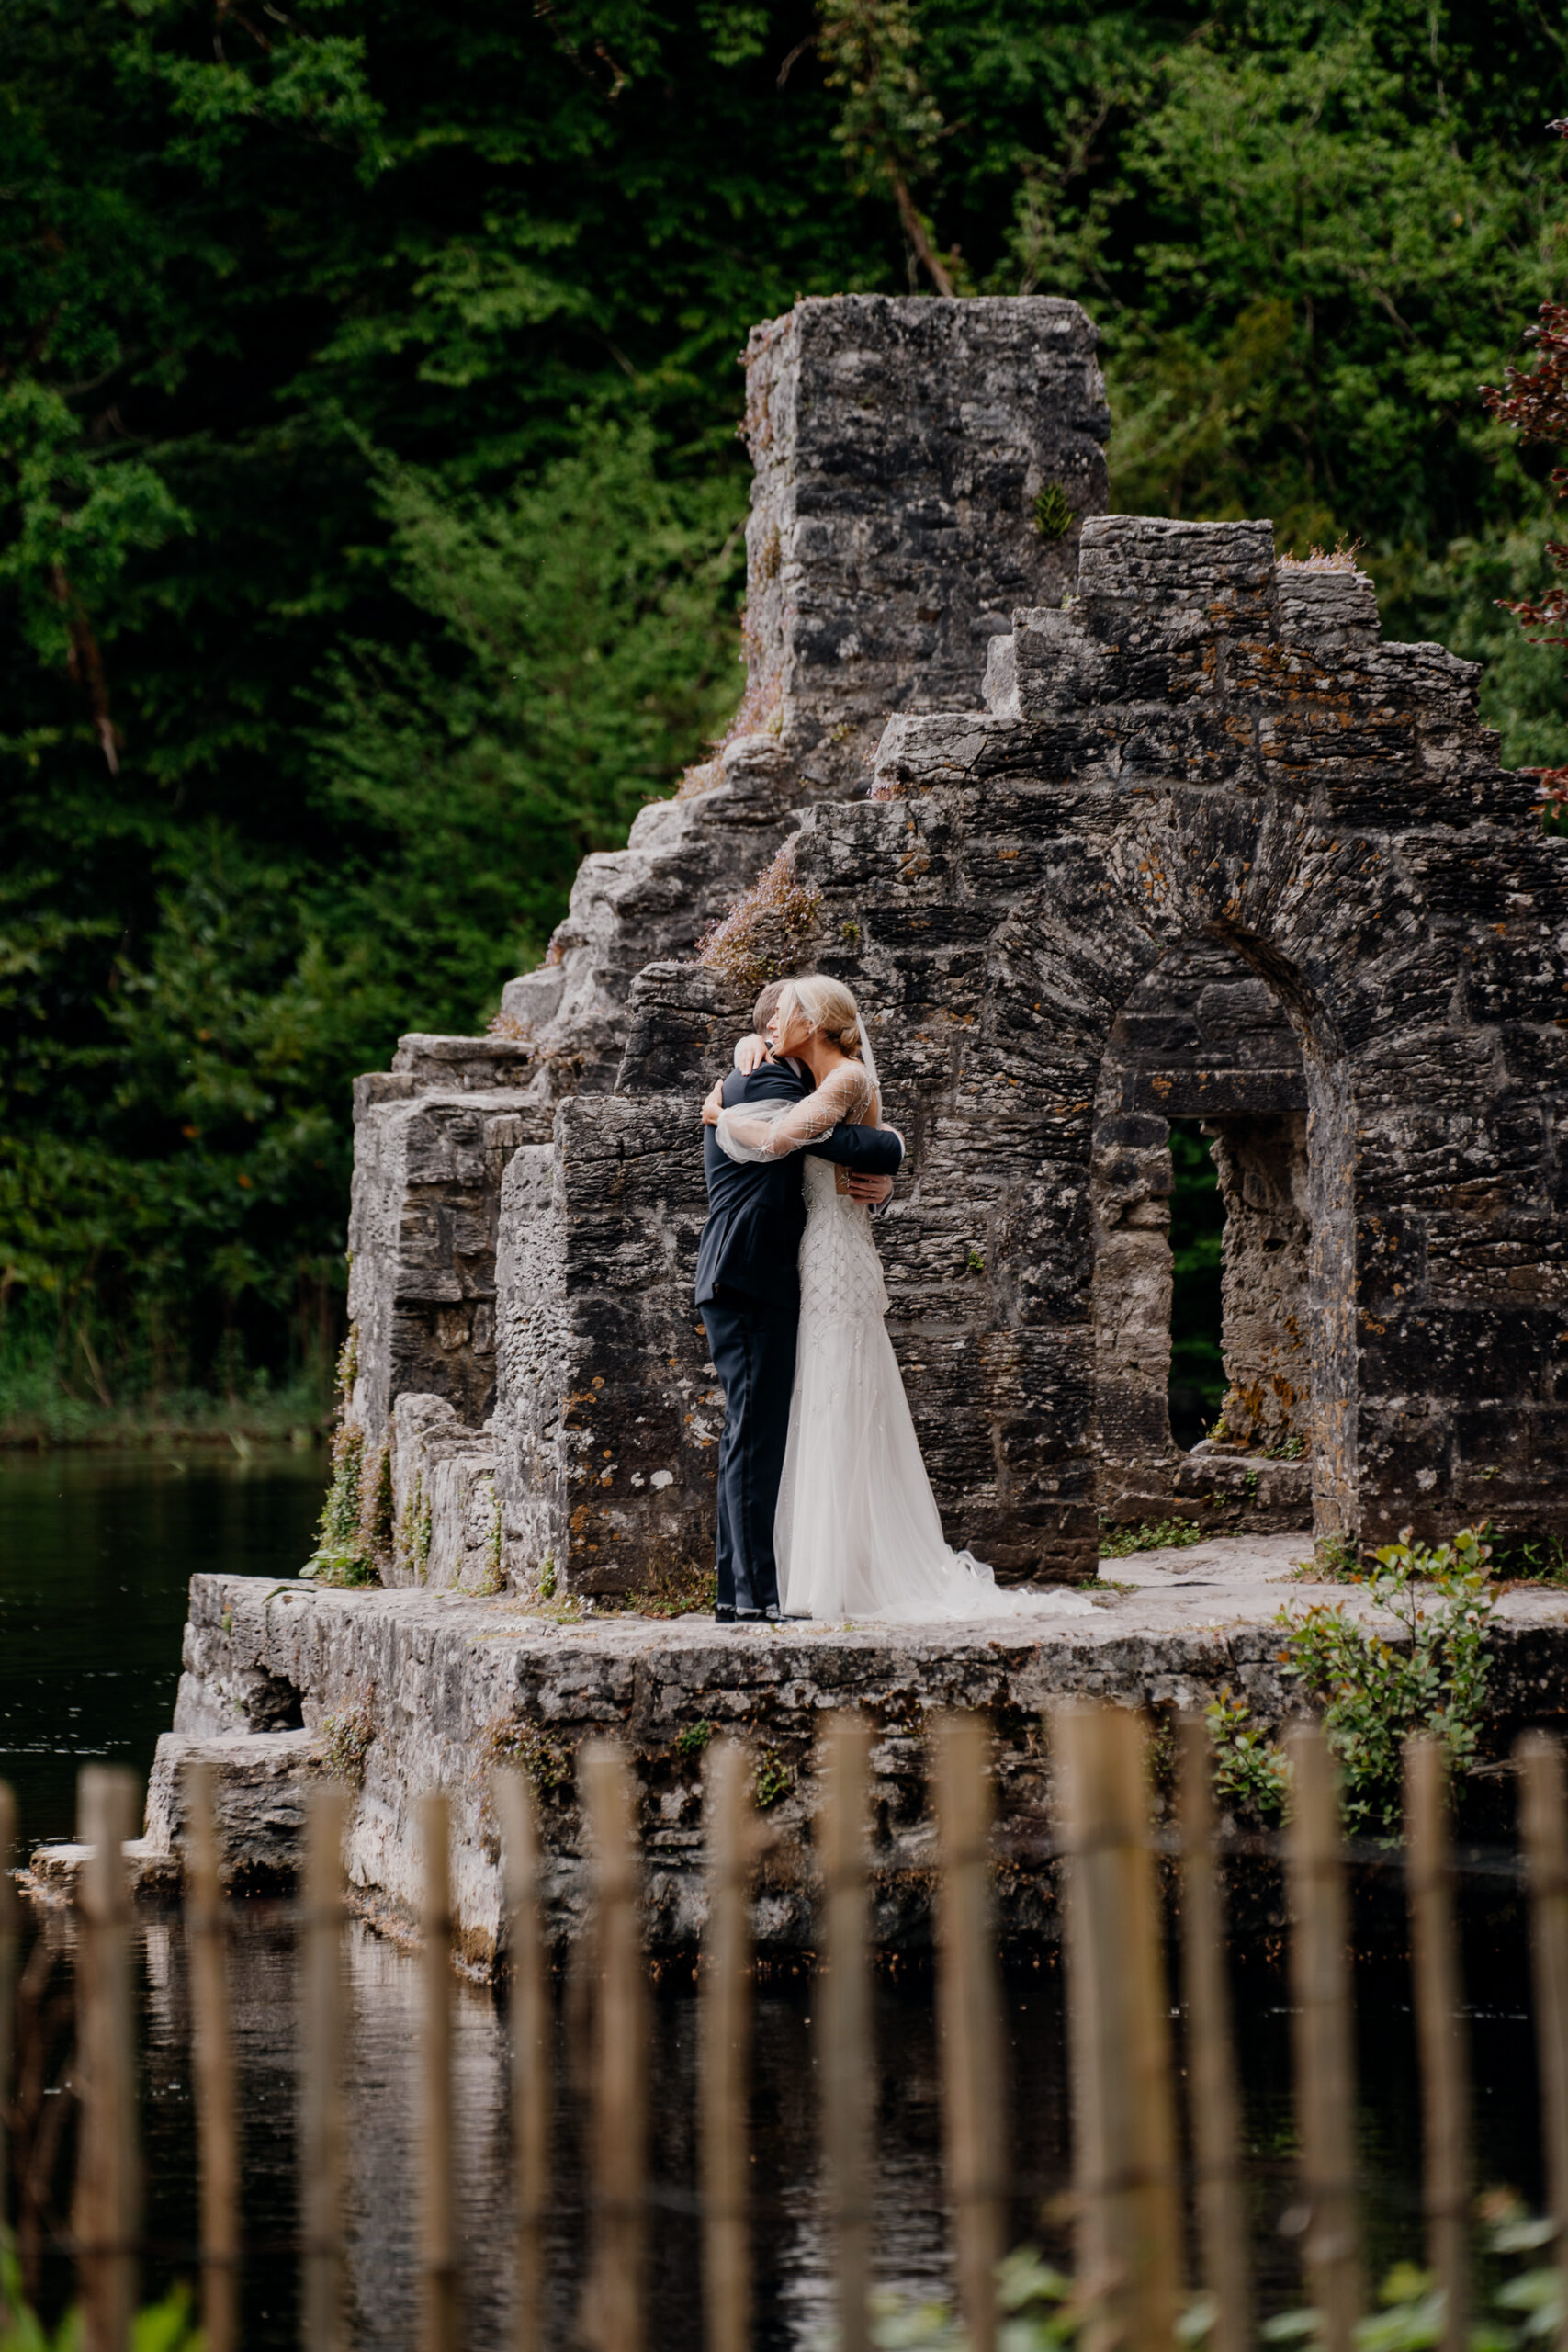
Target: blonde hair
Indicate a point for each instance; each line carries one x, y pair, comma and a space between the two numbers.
829, 1006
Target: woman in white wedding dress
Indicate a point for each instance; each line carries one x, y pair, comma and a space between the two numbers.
857, 1533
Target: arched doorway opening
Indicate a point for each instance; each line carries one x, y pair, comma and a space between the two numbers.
1203, 1238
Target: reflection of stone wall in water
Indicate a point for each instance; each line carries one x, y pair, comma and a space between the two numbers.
1202, 848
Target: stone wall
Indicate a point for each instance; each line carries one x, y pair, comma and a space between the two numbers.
1197, 752
400, 1692
901, 449
421, 1237
1197, 846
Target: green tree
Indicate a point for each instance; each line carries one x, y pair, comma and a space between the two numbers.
368, 485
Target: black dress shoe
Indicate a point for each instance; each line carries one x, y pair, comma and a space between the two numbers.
727, 1613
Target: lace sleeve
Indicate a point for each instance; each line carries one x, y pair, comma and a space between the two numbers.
770, 1130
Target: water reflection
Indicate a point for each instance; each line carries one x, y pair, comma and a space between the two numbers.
790, 2241
380, 2074
94, 1556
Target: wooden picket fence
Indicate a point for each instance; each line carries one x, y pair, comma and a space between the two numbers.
1129, 2193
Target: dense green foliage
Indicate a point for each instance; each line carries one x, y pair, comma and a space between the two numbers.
369, 494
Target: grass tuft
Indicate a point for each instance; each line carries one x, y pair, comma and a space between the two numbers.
1148, 1535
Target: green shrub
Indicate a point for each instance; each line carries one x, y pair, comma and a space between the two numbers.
1148, 1535
358, 1507
492, 1578
416, 1529
1372, 1690
340, 1556
1053, 518
165, 2326
773, 1780
1250, 1770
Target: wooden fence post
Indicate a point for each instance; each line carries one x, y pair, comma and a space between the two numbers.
620, 2097
532, 2057
213, 2065
321, 2123
1543, 1825
1215, 2107
1439, 2041
108, 2201
1124, 2124
969, 2011
1323, 2046
725, 2028
438, 2250
846, 2020
7, 2014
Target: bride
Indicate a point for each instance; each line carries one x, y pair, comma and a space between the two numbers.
857, 1533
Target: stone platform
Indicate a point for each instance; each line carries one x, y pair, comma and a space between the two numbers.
402, 1692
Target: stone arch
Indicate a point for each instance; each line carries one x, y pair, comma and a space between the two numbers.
1166, 961
1205, 1038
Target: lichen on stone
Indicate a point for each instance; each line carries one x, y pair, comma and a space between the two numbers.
347, 1735
547, 1763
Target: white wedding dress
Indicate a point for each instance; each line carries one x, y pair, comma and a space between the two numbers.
857, 1533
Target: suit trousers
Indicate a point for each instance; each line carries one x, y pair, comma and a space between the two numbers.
752, 1345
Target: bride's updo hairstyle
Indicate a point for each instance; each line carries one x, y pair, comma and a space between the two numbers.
829, 1006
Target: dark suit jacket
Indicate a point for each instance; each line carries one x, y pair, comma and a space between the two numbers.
757, 1208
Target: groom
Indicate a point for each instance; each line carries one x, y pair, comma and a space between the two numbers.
748, 1292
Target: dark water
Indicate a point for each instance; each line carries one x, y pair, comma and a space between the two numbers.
790, 2240
96, 1550
94, 1558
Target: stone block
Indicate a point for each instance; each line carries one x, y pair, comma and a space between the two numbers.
422, 1236
259, 1784
441, 1690
447, 1511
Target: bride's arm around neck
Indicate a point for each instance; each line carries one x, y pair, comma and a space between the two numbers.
770, 1130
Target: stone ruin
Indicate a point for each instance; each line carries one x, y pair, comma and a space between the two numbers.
1110, 822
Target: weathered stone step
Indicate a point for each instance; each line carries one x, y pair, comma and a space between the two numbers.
402, 1692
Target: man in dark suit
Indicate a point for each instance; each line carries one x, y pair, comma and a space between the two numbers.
748, 1292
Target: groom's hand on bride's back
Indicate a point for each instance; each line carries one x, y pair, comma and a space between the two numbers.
875, 1188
